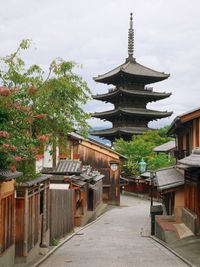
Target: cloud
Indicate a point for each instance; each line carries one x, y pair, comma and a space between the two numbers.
94, 33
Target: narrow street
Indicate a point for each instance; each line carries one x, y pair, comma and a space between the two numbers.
118, 239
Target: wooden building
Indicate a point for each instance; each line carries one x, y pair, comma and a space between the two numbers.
7, 217
167, 148
191, 210
99, 156
103, 159
170, 185
186, 129
32, 218
86, 185
130, 97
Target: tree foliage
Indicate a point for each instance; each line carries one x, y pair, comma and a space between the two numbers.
36, 107
141, 147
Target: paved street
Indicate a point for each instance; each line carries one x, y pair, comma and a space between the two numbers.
117, 239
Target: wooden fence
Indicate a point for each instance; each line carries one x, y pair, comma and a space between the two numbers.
32, 212
61, 213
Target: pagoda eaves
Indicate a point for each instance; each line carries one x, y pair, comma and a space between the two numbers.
112, 94
145, 113
132, 72
130, 115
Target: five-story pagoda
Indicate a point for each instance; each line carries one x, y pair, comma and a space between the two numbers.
130, 97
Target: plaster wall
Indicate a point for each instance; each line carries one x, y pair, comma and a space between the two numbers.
178, 202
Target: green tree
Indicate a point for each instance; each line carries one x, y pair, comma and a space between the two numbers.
141, 146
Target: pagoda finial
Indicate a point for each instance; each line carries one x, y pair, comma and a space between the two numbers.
131, 39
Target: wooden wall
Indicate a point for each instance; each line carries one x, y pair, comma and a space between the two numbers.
192, 192
61, 213
179, 201
7, 213
97, 195
100, 159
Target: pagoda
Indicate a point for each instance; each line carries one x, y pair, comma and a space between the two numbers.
130, 97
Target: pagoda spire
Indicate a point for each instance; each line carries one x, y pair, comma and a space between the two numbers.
131, 40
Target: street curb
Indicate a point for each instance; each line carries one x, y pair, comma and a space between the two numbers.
67, 239
172, 251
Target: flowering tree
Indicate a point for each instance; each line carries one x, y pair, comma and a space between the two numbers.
35, 109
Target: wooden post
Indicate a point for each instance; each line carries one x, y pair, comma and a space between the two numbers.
43, 243
33, 219
26, 222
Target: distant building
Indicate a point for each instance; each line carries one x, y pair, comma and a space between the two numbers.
130, 97
167, 148
99, 156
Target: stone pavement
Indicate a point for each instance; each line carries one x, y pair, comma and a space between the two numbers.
117, 239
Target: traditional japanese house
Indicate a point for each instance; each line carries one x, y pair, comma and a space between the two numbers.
7, 217
103, 159
130, 97
191, 210
86, 185
167, 148
186, 129
170, 185
32, 218
99, 156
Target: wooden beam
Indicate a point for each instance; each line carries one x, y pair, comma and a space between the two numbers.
26, 222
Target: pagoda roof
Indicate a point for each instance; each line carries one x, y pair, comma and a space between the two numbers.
120, 131
132, 72
132, 111
138, 93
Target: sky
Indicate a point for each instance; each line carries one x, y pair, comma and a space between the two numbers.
95, 33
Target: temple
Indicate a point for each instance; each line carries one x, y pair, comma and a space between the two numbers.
130, 97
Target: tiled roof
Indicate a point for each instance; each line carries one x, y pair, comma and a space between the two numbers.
169, 178
134, 69
126, 130
9, 175
38, 180
193, 160
132, 111
166, 147
76, 172
141, 93
68, 166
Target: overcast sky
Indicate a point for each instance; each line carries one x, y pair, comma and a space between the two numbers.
94, 34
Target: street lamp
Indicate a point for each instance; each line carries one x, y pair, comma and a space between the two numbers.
142, 166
